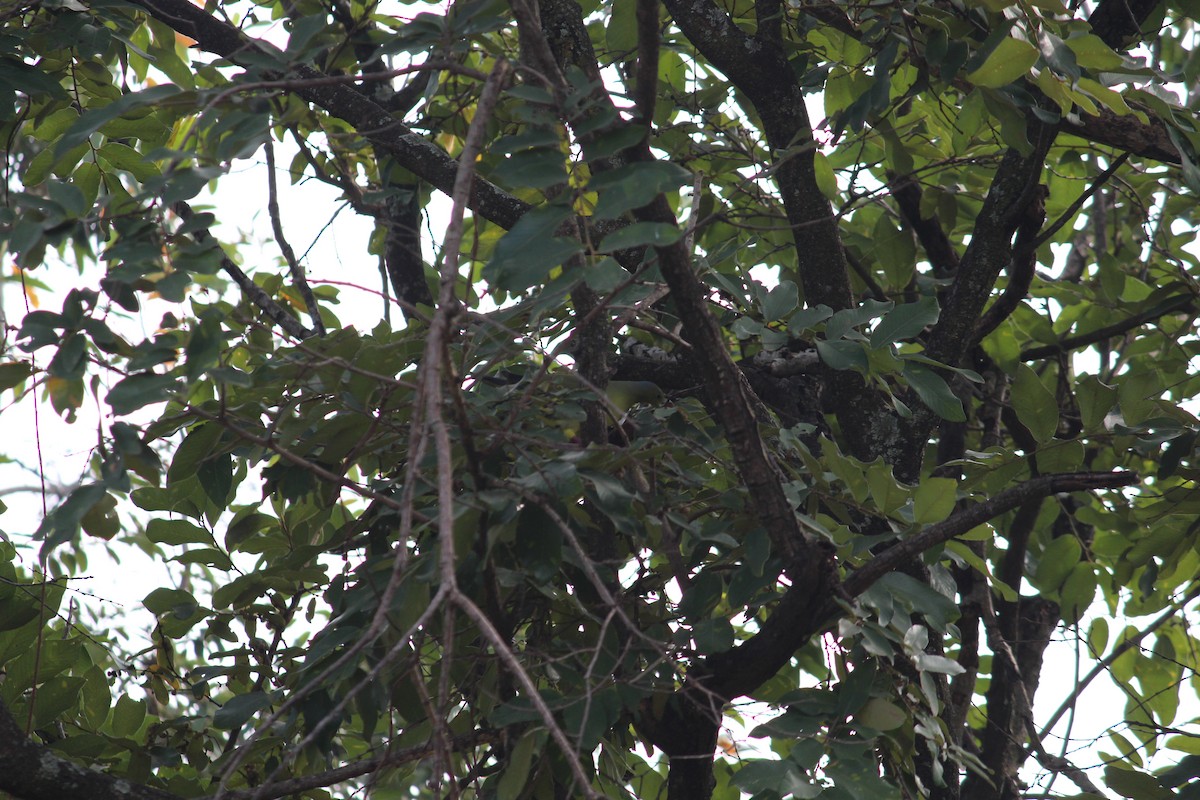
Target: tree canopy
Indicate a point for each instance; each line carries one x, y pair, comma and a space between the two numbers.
791, 373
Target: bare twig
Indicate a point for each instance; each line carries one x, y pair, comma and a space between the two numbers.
265, 303
289, 255
1063, 218
1107, 661
1024, 706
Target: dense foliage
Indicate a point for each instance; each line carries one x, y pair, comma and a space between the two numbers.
701, 405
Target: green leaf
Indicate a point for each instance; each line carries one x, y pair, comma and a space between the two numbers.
896, 251
62, 524
518, 762
170, 601
1135, 785
934, 391
775, 779
176, 532
881, 715
621, 32
635, 185
1057, 562
235, 711
1078, 591
842, 322
826, 179
127, 716
95, 118
780, 301
905, 321
638, 234
939, 664
1011, 59
13, 372
1091, 52
934, 499
124, 157
54, 698
1035, 405
1095, 400
843, 354
140, 390
525, 256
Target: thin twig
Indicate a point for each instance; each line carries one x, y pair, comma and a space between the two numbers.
1063, 218
1116, 653
430, 396
265, 303
289, 255
1055, 764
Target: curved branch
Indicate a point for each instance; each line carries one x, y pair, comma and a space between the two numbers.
1021, 267
759, 68
956, 525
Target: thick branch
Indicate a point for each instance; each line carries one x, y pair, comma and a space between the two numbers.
759, 68
865, 576
1013, 188
1119, 21
645, 86
1021, 268
29, 771
1128, 133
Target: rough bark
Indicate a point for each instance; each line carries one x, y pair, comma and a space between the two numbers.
33, 772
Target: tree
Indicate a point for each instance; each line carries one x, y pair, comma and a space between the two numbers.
603, 485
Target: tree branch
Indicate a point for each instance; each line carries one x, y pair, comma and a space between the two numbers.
31, 771
759, 68
1107, 662
289, 255
1021, 268
1178, 303
371, 120
938, 249
265, 303
956, 525
1119, 21
645, 86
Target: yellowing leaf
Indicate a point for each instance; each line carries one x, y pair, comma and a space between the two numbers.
585, 204
1011, 59
826, 180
